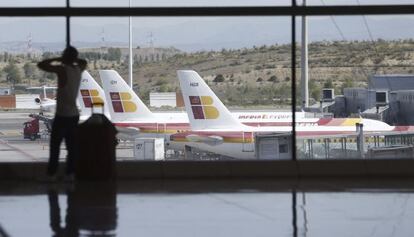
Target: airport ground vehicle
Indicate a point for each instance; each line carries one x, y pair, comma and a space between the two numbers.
31, 129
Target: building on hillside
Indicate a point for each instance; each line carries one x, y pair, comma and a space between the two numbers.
19, 101
172, 99
392, 82
358, 100
7, 99
10, 100
26, 101
401, 107
6, 91
388, 97
42, 91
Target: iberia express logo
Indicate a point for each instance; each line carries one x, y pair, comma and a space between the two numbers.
121, 102
203, 108
90, 97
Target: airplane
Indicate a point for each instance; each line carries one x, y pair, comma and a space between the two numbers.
91, 97
131, 115
116, 86
89, 93
250, 118
46, 104
214, 129
128, 111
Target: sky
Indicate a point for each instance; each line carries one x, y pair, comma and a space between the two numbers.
198, 33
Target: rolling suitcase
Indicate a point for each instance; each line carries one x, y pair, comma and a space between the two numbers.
97, 141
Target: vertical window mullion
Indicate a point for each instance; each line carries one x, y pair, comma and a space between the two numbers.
67, 23
293, 81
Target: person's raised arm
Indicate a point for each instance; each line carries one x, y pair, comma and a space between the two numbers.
49, 66
82, 64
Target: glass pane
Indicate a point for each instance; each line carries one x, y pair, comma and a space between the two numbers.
359, 72
23, 43
245, 62
210, 213
37, 3
222, 209
355, 2
177, 3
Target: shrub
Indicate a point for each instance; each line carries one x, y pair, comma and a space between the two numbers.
273, 79
219, 78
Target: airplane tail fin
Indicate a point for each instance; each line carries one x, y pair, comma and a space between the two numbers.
90, 93
205, 110
122, 101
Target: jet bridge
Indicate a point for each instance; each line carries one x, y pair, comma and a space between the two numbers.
353, 147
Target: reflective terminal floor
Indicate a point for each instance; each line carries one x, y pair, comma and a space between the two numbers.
209, 208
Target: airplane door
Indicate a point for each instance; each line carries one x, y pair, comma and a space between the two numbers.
248, 142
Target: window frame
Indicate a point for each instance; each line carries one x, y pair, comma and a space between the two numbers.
293, 11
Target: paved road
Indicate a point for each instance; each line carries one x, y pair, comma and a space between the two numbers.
12, 121
14, 148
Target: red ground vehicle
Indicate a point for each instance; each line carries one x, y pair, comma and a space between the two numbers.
31, 129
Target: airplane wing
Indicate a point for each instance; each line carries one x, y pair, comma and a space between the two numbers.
127, 133
324, 134
41, 87
210, 140
198, 137
397, 130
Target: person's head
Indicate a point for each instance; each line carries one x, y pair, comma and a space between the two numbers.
69, 55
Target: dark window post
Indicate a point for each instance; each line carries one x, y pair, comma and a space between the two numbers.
67, 23
293, 73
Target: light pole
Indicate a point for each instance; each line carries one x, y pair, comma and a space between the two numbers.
304, 63
130, 49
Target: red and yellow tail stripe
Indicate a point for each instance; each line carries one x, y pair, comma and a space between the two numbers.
160, 128
339, 121
122, 102
202, 107
90, 97
228, 137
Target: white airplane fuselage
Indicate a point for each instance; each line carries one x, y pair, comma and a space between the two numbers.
240, 143
162, 125
214, 129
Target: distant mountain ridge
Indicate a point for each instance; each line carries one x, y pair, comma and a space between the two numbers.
19, 47
197, 34
247, 72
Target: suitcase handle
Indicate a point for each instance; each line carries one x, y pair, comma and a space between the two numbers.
98, 104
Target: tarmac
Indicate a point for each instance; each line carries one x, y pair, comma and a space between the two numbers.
22, 159
14, 148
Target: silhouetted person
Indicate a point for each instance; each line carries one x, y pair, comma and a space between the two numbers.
68, 69
71, 226
90, 209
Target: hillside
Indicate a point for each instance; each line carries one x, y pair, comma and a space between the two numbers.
259, 75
